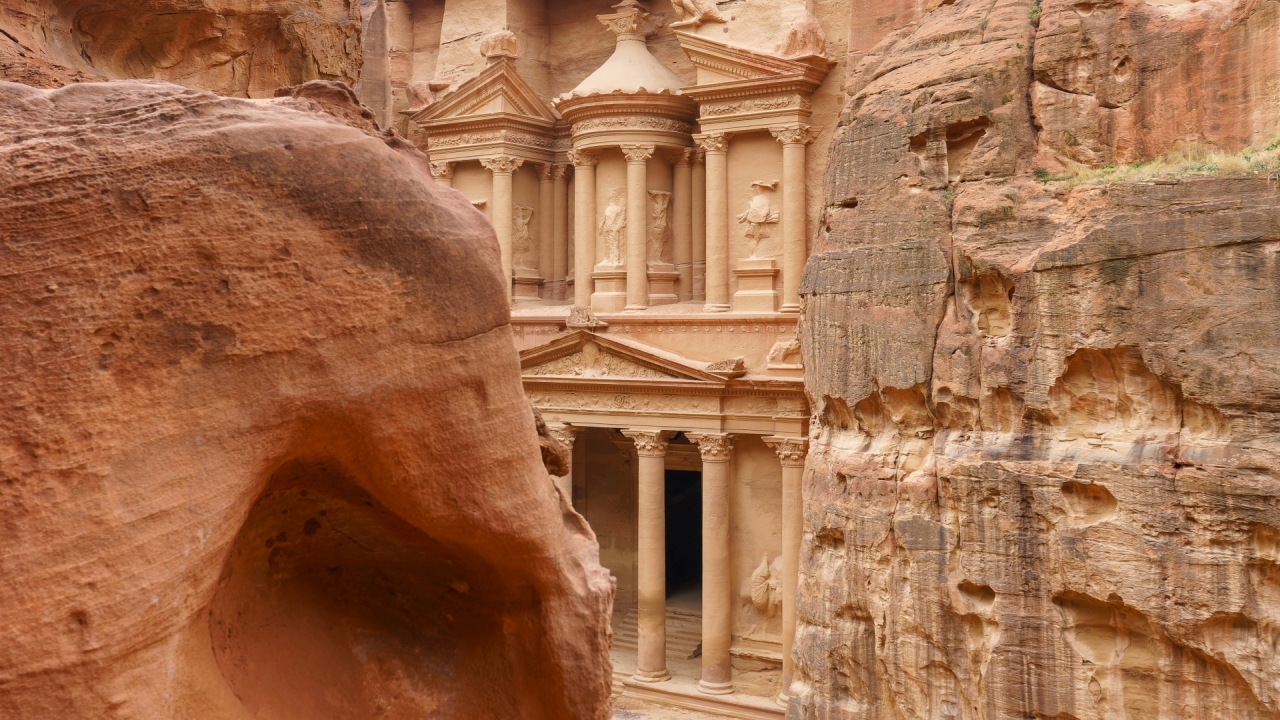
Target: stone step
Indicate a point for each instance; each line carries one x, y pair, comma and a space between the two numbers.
684, 632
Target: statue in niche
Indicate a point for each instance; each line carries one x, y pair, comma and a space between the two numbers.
499, 44
760, 213
522, 247
659, 233
613, 228
694, 12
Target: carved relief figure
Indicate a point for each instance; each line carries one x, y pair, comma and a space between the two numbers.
760, 213
806, 37
499, 44
613, 228
524, 253
694, 12
659, 234
766, 586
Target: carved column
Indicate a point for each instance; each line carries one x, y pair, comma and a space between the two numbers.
637, 225
545, 225
794, 141
717, 590
566, 435
503, 167
443, 173
651, 643
584, 224
682, 220
716, 147
559, 230
699, 254
791, 452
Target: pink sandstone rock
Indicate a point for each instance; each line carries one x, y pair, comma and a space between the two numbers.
265, 449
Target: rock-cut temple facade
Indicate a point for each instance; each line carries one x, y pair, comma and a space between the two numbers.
653, 172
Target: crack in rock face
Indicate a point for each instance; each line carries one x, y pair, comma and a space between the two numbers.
267, 452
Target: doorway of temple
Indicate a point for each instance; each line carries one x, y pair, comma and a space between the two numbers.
684, 539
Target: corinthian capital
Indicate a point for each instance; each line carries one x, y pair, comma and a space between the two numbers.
502, 163
713, 142
442, 170
637, 153
649, 444
558, 172
564, 434
715, 447
583, 158
795, 134
791, 450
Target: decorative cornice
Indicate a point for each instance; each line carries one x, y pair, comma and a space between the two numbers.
715, 447
582, 158
791, 450
502, 163
637, 153
442, 170
754, 105
632, 122
796, 134
650, 444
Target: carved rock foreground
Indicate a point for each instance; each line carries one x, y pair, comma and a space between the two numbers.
1044, 477
265, 448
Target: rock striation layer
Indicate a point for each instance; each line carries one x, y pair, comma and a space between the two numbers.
265, 448
1043, 476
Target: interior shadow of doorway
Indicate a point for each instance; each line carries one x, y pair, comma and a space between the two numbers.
684, 539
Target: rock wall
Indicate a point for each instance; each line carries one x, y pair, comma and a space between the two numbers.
231, 47
265, 448
1043, 480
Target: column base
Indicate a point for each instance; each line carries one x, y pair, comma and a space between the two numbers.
527, 287
662, 284
715, 688
790, 308
784, 700
610, 290
651, 676
755, 286
715, 308
635, 308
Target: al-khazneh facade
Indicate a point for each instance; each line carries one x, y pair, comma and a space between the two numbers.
651, 173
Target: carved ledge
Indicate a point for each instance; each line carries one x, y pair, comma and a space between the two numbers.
650, 444
502, 163
715, 447
791, 450
637, 153
796, 134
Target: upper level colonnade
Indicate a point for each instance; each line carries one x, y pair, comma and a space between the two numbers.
677, 192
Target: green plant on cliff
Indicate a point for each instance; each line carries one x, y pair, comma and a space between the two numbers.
1190, 160
1035, 12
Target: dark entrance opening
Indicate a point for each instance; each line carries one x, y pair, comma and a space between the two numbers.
684, 538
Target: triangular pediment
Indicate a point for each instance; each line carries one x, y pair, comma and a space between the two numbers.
589, 356
498, 89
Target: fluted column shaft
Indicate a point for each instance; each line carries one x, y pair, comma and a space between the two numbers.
791, 453
682, 221
651, 558
443, 173
637, 225
559, 229
717, 152
503, 167
699, 253
584, 224
794, 140
545, 229
717, 590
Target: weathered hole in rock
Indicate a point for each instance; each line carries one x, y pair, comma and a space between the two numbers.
1088, 503
1112, 392
831, 539
988, 296
981, 597
962, 138
331, 606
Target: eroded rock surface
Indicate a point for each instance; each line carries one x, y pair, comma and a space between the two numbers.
231, 47
266, 452
1043, 482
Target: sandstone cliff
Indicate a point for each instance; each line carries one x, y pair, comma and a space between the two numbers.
1043, 481
265, 448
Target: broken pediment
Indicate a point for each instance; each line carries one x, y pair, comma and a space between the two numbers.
497, 90
718, 62
587, 355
